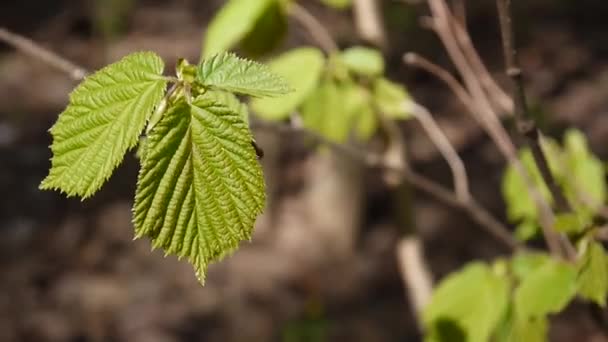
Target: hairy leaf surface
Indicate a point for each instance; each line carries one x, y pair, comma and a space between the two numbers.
200, 187
228, 72
104, 118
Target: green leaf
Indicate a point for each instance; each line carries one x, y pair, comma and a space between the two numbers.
593, 274
520, 205
367, 122
526, 230
231, 101
231, 24
105, 116
302, 68
338, 4
524, 264
529, 330
586, 172
228, 72
570, 223
390, 98
364, 61
474, 299
546, 290
268, 32
200, 187
332, 109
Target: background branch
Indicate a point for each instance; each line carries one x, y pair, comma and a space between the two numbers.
368, 21
526, 126
459, 173
28, 47
317, 31
443, 24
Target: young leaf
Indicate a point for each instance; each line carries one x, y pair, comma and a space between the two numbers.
593, 274
228, 72
302, 69
364, 61
330, 111
233, 22
105, 116
390, 98
367, 122
200, 187
523, 264
586, 173
547, 290
520, 205
474, 299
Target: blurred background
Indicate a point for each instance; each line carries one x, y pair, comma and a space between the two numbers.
322, 265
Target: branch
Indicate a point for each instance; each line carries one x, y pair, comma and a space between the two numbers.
29, 47
477, 212
443, 26
369, 22
415, 273
459, 173
526, 126
317, 31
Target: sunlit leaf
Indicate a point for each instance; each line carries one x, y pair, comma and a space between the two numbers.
390, 98
364, 61
302, 69
106, 114
200, 187
228, 72
593, 274
474, 300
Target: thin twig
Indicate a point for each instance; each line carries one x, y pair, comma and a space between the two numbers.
33, 49
459, 173
443, 75
317, 31
496, 93
460, 11
477, 212
525, 123
415, 273
368, 21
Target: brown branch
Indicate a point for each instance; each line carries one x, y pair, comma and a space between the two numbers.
415, 273
443, 75
526, 126
368, 21
33, 49
317, 31
459, 173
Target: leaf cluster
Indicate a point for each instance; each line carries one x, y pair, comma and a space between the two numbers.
200, 186
513, 299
